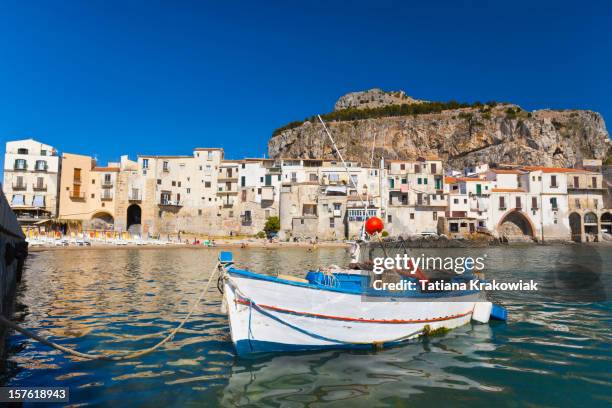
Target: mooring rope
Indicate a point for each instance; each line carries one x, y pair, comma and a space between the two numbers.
111, 357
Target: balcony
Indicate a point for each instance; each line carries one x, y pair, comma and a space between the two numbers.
227, 192
77, 195
135, 197
229, 204
19, 187
224, 178
39, 187
106, 197
20, 167
170, 203
107, 184
76, 181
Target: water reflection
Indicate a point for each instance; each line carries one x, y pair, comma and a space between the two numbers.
123, 299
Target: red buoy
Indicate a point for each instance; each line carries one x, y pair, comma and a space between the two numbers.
374, 225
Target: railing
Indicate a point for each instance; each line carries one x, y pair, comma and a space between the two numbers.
173, 203
106, 197
107, 184
135, 197
20, 167
41, 168
77, 195
18, 187
39, 187
76, 181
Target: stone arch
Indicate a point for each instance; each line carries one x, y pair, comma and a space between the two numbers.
102, 220
575, 221
515, 225
134, 218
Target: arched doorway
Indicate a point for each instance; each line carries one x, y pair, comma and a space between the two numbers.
575, 221
591, 227
134, 214
515, 226
102, 221
606, 223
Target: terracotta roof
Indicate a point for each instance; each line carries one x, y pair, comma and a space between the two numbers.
553, 169
508, 190
505, 171
105, 169
450, 180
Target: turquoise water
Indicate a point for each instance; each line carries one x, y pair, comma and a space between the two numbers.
554, 351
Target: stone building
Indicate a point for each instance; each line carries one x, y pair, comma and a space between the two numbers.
468, 206
588, 215
87, 193
31, 180
415, 197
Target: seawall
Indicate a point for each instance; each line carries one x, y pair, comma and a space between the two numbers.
13, 251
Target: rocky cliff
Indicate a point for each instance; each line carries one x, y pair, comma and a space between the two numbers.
471, 134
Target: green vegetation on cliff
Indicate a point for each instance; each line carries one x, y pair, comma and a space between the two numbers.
386, 111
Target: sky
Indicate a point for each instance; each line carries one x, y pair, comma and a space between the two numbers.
107, 78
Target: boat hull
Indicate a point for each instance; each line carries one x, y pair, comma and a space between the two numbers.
270, 316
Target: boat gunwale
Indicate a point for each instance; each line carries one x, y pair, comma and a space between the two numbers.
413, 295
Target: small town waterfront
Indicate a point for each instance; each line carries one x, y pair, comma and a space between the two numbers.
554, 351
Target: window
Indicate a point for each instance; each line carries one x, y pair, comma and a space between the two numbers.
107, 178
502, 203
354, 180
145, 163
22, 150
576, 182
419, 181
534, 203
165, 197
159, 181
425, 180
553, 181
93, 181
433, 168
207, 184
402, 166
389, 219
435, 215
332, 222
412, 216
21, 164
454, 227
242, 181
465, 201
259, 191
93, 196
165, 166
594, 182
209, 155
40, 165
243, 196
43, 152
188, 190
518, 202
596, 202
455, 201
417, 168
553, 203
173, 183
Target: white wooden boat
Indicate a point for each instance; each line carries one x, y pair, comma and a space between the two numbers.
284, 313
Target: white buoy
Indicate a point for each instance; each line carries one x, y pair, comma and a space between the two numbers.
482, 312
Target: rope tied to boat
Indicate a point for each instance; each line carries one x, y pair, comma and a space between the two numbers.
114, 357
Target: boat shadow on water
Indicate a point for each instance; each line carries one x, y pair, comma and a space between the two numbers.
359, 376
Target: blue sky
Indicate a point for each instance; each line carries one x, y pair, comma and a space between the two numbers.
127, 77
